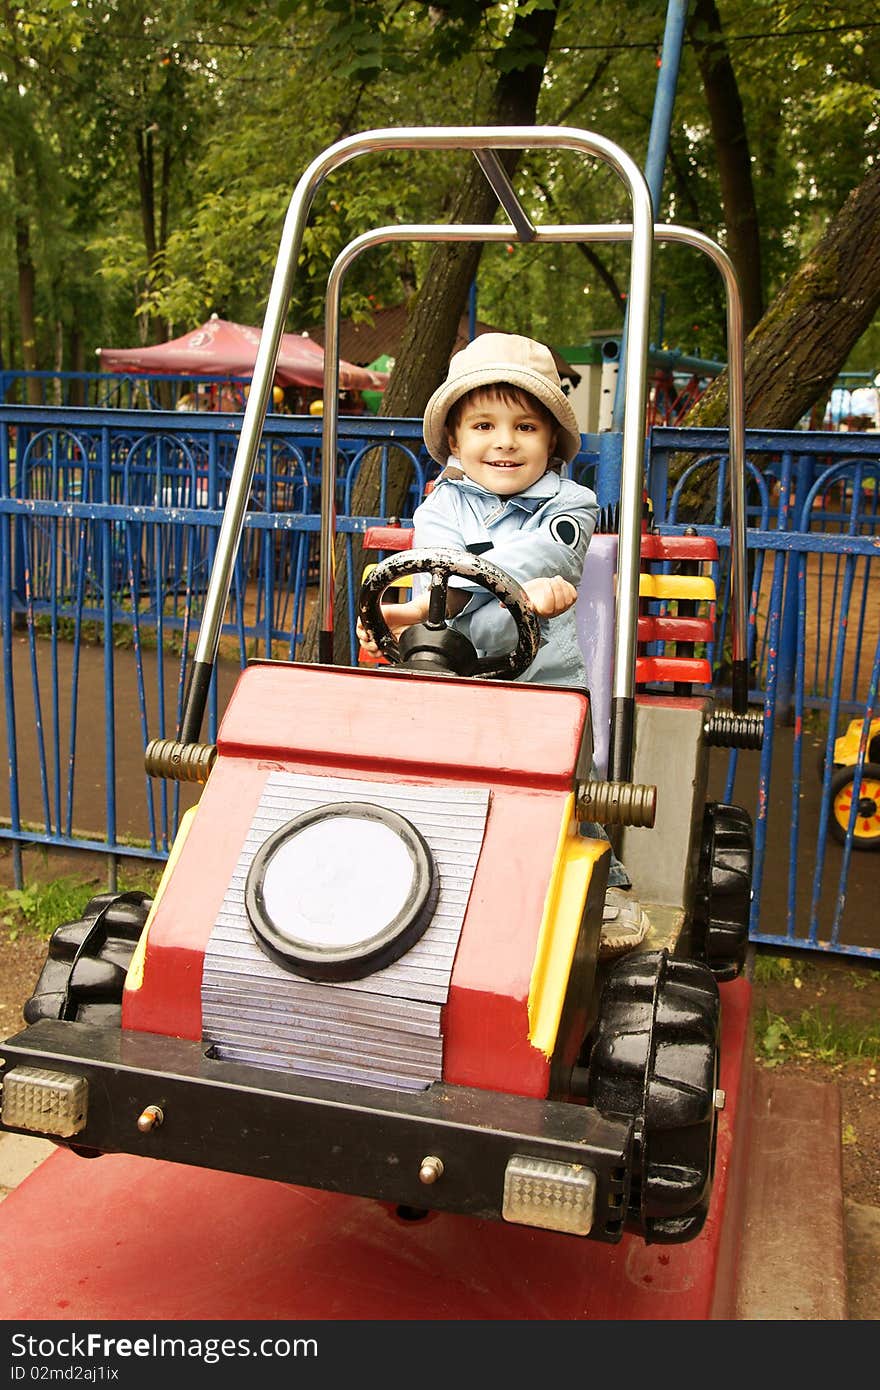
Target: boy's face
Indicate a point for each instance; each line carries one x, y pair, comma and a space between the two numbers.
505, 446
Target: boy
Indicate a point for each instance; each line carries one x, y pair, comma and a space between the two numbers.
503, 428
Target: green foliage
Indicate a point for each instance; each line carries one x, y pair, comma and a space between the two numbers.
41, 907
361, 40
152, 153
775, 969
788, 1031
17, 904
816, 1034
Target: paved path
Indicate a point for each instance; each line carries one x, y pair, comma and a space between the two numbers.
797, 1255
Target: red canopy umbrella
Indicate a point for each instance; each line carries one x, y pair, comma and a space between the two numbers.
221, 348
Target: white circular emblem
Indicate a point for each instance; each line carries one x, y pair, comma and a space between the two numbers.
566, 530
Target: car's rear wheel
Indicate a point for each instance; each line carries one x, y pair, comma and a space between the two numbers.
723, 892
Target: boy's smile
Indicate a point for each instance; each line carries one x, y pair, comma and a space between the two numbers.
503, 447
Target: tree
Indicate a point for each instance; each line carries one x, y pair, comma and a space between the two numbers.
153, 93
796, 86
732, 148
439, 303
794, 354
37, 45
157, 142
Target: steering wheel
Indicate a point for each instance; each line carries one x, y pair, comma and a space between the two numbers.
442, 563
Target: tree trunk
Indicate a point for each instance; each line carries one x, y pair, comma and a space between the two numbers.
24, 263
77, 355
423, 355
147, 191
436, 309
58, 364
26, 289
732, 149
146, 166
795, 353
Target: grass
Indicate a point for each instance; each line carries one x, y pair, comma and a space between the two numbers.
778, 969
794, 1033
41, 907
814, 1035
90, 633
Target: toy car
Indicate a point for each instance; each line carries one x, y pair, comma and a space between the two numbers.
372, 965
866, 823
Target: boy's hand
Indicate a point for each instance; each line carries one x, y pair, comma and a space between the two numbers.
550, 597
367, 642
398, 616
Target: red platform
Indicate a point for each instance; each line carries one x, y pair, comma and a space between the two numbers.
121, 1237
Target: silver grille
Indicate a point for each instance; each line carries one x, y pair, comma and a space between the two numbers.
382, 1030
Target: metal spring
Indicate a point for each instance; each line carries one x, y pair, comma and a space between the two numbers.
728, 730
180, 762
617, 803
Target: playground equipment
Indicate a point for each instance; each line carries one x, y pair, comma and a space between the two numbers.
372, 963
676, 380
848, 785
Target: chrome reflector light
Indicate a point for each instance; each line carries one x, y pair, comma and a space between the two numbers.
44, 1102
553, 1196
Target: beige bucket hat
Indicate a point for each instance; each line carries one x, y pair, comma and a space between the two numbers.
502, 357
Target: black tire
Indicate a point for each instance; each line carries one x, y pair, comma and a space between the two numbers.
866, 833
655, 1059
719, 934
84, 974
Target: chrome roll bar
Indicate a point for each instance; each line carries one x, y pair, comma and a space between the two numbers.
483, 142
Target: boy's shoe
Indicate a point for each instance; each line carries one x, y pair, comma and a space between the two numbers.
624, 923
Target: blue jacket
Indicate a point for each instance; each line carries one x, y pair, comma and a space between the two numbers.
533, 534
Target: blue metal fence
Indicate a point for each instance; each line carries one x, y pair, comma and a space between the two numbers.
814, 540
108, 523
118, 390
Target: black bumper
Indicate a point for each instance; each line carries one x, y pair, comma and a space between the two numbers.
363, 1140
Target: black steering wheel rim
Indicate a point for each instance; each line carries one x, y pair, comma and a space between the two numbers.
442, 563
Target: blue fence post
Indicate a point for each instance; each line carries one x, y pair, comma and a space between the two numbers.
657, 475
608, 467
17, 542
7, 608
788, 628
109, 682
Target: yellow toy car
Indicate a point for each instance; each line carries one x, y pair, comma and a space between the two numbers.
866, 829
